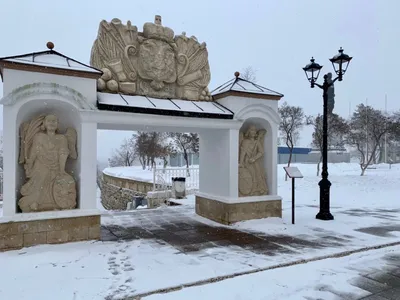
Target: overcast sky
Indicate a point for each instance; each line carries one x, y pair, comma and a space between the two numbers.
276, 37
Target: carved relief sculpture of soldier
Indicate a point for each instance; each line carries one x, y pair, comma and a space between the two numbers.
44, 153
252, 178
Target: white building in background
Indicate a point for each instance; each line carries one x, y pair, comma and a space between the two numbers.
178, 160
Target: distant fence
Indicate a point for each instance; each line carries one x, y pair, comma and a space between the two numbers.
1, 185
162, 178
314, 157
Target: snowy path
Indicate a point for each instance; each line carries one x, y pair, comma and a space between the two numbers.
353, 277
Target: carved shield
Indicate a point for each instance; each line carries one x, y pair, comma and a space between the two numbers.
245, 181
64, 191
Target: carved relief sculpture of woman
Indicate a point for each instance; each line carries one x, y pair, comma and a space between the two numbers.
44, 153
252, 179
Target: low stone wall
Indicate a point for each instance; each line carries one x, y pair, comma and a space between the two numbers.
228, 213
134, 185
116, 198
117, 192
19, 234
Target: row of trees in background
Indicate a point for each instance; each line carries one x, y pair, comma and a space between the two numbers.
368, 131
368, 128
146, 147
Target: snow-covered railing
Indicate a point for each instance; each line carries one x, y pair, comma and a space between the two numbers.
162, 178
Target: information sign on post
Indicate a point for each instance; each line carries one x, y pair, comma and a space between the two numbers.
293, 173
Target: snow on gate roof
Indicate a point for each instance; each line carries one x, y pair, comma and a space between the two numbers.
241, 85
48, 61
169, 107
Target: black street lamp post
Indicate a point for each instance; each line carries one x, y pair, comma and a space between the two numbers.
340, 63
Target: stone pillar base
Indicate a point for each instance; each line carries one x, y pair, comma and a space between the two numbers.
25, 233
227, 213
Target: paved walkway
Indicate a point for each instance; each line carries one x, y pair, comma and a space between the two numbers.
383, 284
177, 227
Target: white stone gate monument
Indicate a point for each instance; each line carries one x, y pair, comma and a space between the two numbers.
152, 80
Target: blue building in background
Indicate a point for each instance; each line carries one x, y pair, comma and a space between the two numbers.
296, 150
299, 155
311, 156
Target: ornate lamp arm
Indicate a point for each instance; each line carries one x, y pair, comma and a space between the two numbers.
327, 85
318, 85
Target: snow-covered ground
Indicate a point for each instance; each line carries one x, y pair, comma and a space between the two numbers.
326, 279
94, 270
356, 201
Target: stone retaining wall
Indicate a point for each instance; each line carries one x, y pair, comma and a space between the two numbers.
131, 184
116, 198
117, 192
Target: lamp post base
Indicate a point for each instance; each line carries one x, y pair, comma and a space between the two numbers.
324, 200
324, 215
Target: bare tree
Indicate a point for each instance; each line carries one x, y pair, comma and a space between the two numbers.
249, 74
125, 155
368, 126
292, 121
395, 132
149, 146
185, 143
390, 151
337, 129
141, 141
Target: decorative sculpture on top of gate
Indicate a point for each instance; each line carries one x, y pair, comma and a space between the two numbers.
154, 62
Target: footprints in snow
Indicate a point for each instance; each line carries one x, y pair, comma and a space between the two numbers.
122, 264
118, 264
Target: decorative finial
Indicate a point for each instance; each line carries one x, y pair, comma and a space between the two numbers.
50, 45
157, 20
237, 74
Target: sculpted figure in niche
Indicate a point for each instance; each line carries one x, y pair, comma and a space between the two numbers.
252, 179
44, 153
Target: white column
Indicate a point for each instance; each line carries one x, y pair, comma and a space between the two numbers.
10, 161
219, 163
203, 167
274, 160
88, 166
233, 163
